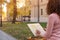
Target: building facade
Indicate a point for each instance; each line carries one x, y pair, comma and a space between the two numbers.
38, 10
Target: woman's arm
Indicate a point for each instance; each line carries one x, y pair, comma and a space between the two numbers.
50, 25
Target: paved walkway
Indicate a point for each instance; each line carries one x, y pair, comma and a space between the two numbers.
4, 36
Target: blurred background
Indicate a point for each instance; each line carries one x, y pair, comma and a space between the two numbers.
24, 10
16, 14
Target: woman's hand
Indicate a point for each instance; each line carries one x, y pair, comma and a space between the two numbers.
37, 32
45, 29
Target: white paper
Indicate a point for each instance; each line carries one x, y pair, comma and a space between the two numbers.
36, 26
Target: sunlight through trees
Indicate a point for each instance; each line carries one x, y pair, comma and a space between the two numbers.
15, 8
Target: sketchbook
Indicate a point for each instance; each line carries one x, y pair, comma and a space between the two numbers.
36, 26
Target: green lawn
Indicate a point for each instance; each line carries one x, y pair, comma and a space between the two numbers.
19, 30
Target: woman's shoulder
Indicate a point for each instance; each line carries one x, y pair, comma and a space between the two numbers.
53, 15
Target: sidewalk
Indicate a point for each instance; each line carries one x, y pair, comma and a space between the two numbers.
4, 36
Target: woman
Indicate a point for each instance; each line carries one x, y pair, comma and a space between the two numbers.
53, 24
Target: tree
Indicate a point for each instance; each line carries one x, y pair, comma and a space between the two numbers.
24, 11
10, 9
15, 12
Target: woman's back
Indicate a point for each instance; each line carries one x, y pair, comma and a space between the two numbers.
53, 27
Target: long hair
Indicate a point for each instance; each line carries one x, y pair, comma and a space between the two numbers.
53, 6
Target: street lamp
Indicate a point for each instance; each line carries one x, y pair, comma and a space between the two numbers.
0, 13
38, 10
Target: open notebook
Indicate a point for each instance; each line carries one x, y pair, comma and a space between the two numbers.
36, 26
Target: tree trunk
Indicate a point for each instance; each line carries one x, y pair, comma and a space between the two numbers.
15, 12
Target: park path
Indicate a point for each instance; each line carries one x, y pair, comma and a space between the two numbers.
5, 36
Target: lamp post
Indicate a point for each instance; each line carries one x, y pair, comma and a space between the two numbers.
1, 16
0, 13
38, 10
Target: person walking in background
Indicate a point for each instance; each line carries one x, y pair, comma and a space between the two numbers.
53, 24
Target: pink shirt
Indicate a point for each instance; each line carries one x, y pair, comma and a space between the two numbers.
53, 27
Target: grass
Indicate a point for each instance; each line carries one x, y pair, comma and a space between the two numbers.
19, 30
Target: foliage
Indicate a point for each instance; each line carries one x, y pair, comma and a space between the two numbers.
20, 11
23, 11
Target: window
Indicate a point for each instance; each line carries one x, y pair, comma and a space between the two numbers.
41, 11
